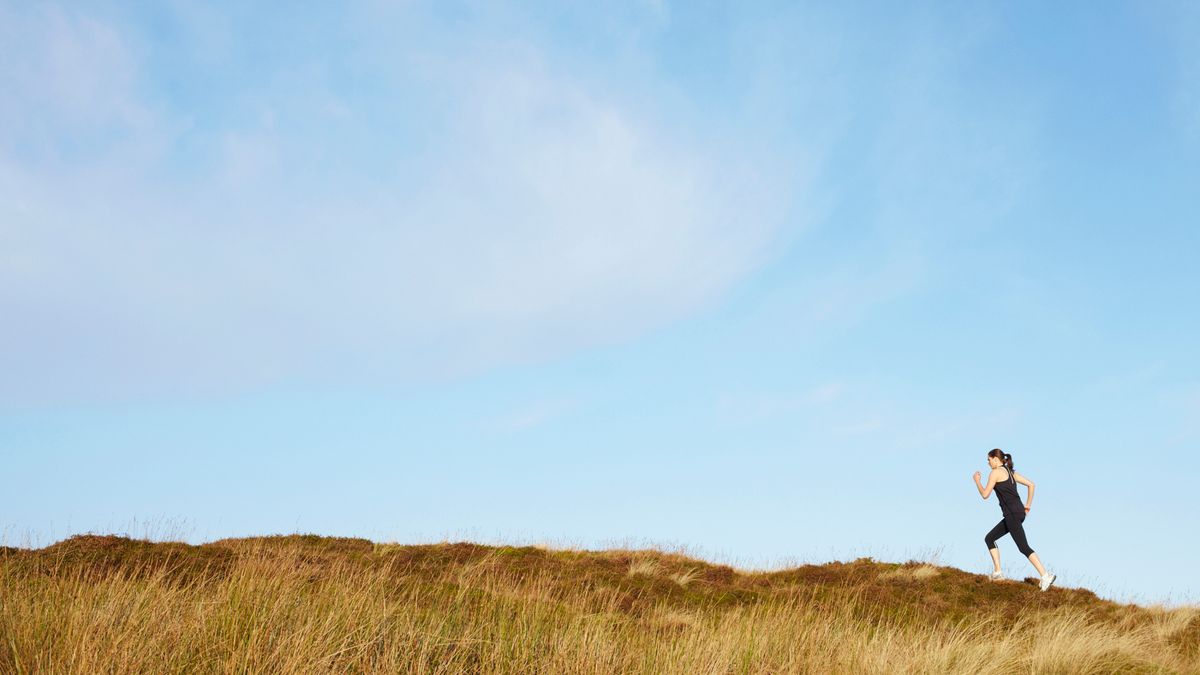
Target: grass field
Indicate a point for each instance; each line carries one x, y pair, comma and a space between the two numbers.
106, 604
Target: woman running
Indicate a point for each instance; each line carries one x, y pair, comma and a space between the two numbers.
1004, 480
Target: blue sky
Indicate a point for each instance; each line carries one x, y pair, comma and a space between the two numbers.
761, 281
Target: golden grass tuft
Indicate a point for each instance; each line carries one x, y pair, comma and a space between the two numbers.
917, 573
645, 567
323, 605
686, 577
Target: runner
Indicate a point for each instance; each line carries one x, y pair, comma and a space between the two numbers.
1003, 479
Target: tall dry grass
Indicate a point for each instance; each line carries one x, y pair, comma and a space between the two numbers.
306, 606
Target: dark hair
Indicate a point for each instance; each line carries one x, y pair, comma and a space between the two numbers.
1004, 457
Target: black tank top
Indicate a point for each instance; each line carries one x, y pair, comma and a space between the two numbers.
1006, 493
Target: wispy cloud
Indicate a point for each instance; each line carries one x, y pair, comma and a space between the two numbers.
72, 95
543, 215
534, 414
476, 200
763, 405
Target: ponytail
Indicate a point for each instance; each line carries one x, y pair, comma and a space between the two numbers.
1004, 458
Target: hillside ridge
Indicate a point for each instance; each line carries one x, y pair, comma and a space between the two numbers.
308, 603
650, 574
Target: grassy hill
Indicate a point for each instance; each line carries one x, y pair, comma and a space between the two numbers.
302, 603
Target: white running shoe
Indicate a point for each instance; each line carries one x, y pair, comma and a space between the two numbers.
997, 576
1047, 580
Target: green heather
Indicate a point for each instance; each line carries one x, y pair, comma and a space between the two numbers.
106, 604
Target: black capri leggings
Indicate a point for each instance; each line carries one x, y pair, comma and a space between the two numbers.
1010, 525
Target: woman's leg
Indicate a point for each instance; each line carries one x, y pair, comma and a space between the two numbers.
990, 538
1018, 535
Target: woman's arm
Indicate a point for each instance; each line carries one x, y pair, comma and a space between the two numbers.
1027, 483
985, 491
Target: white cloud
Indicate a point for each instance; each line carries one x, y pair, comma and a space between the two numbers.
479, 203
70, 90
550, 218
